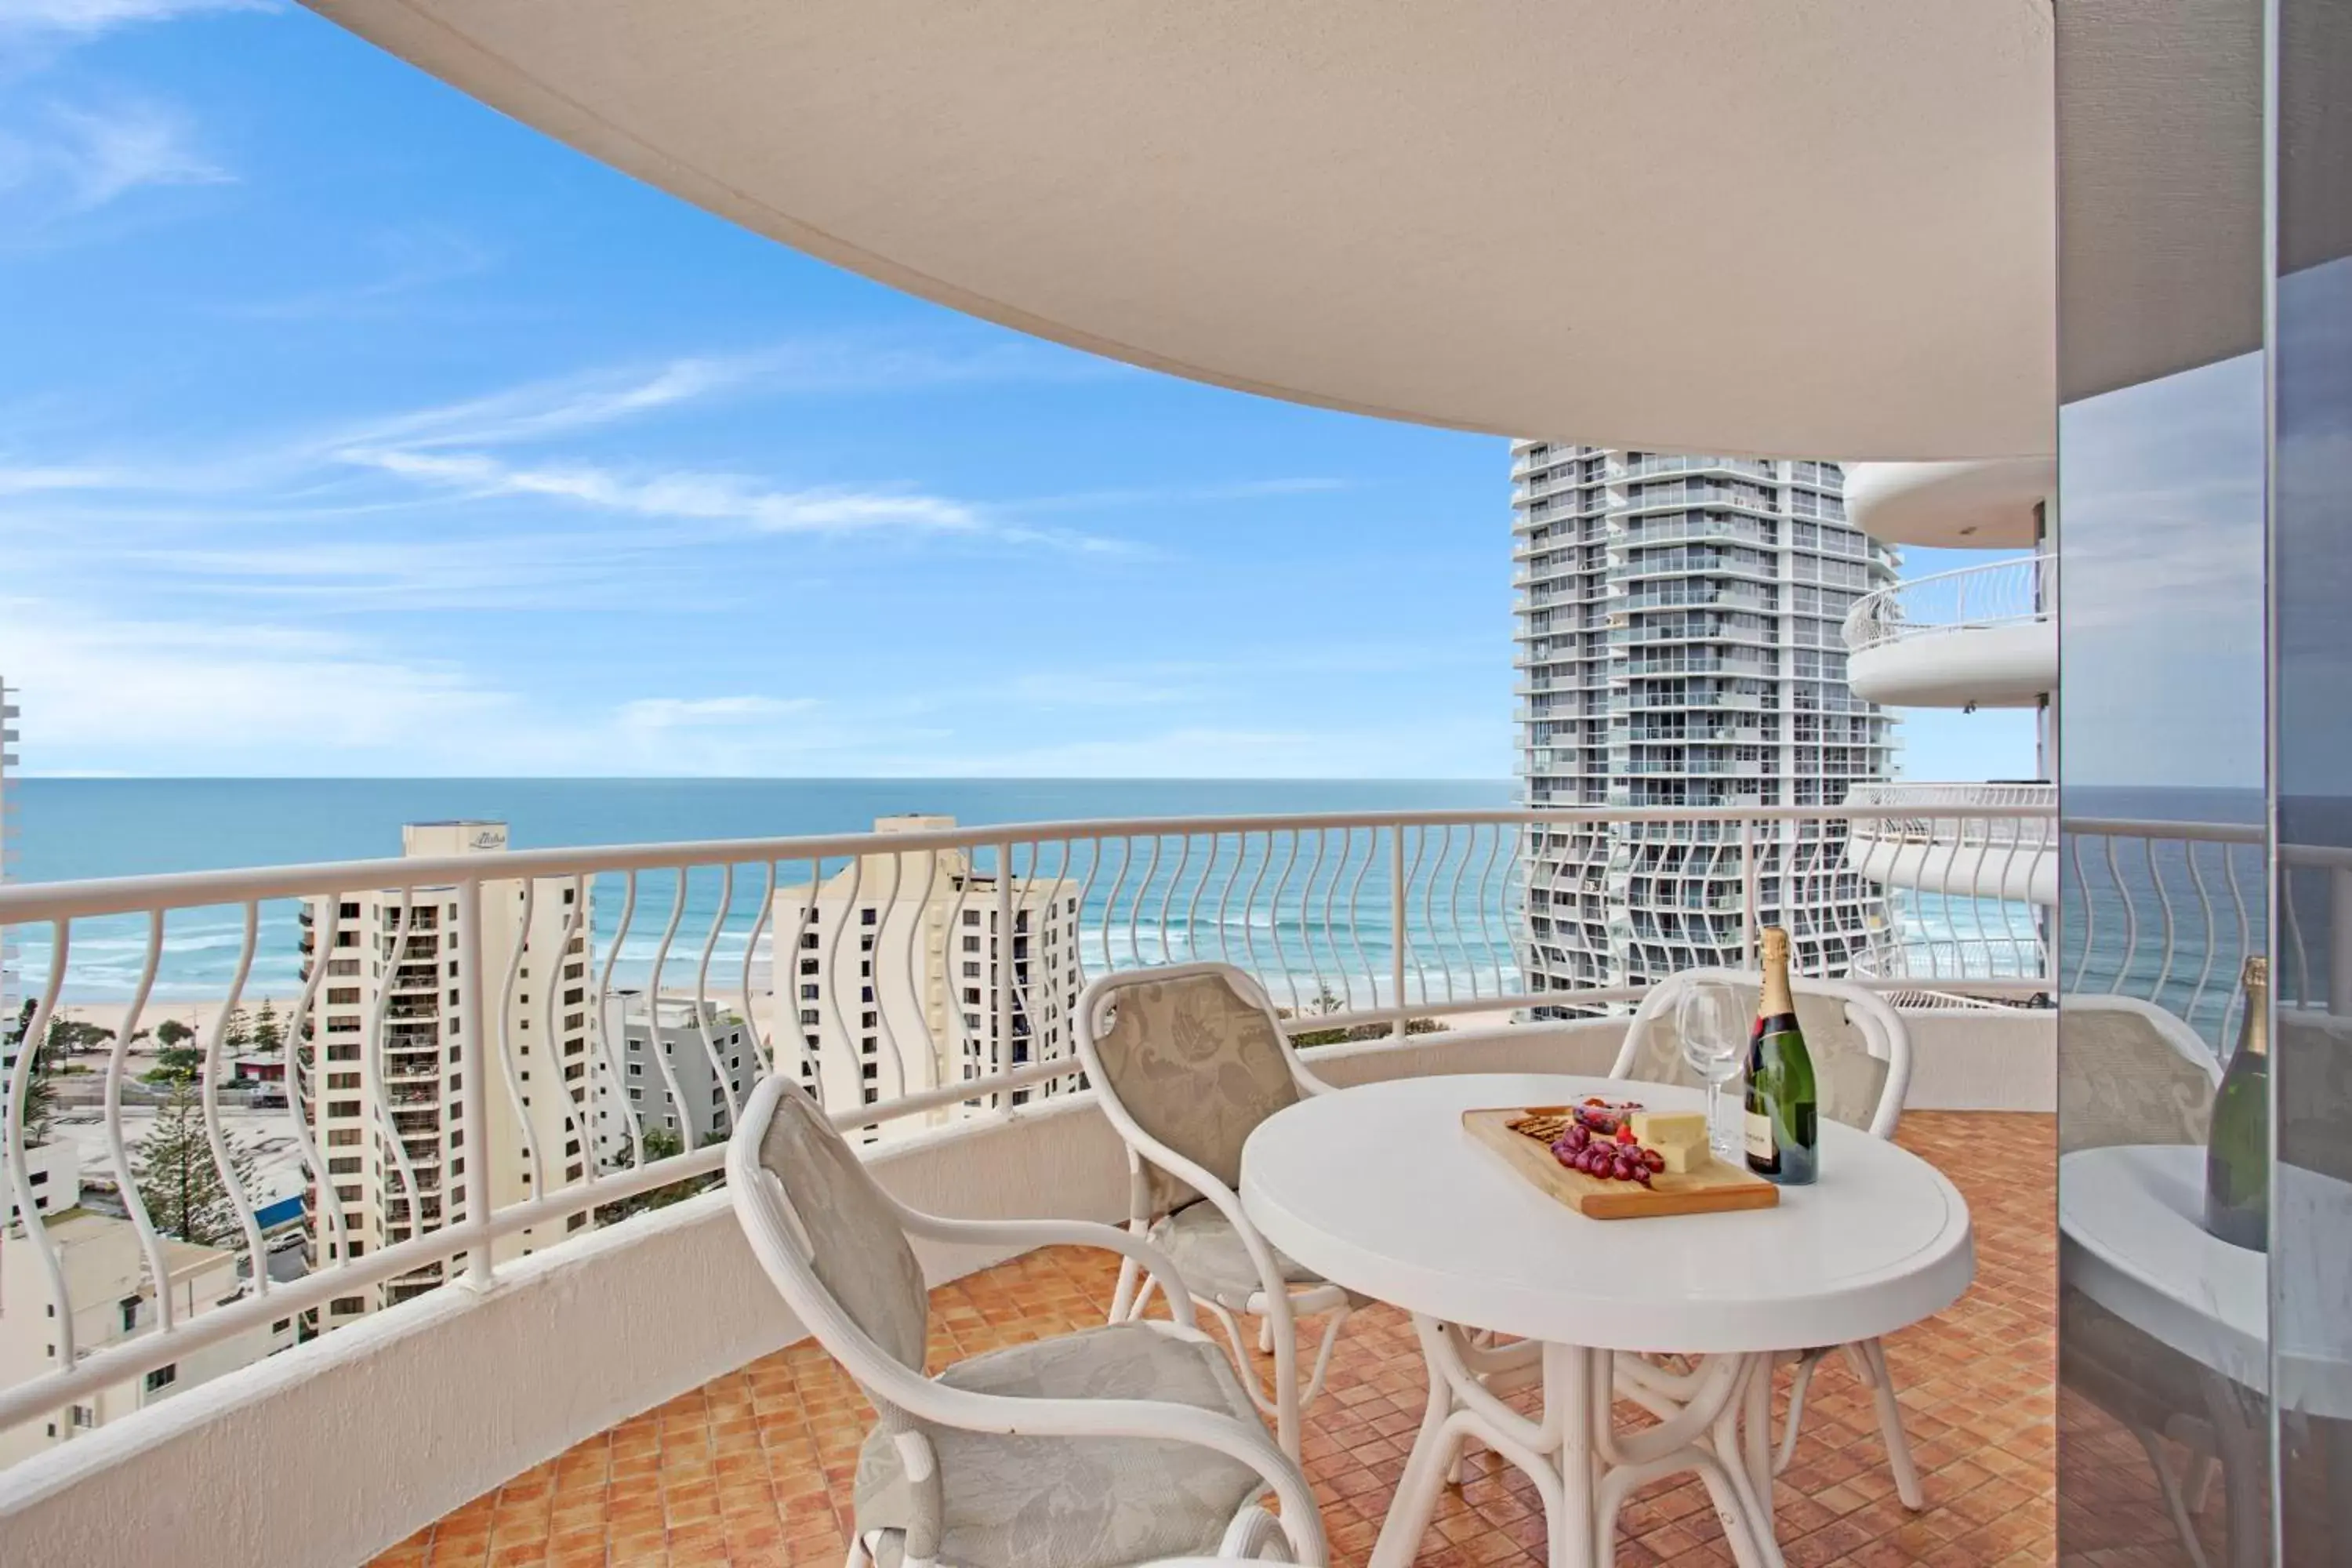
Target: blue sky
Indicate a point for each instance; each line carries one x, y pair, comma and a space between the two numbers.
347, 427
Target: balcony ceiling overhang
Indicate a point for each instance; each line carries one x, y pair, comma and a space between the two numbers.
1966, 506
1816, 226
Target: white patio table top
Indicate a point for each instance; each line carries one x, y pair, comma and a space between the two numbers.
1381, 1189
2133, 1238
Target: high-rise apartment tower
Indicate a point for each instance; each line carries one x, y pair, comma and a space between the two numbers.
1679, 645
385, 1092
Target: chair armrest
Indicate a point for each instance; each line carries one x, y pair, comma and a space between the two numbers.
1246, 1443
1055, 1232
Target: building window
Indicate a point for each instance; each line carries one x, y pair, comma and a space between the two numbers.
866, 917
345, 1306
129, 1308
162, 1377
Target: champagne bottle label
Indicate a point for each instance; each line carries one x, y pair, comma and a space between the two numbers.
1759, 1139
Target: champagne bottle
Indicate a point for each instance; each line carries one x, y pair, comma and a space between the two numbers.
2238, 1146
1783, 1119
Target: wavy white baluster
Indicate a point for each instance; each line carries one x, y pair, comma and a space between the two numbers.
2164, 903
215, 1139
1487, 897
2245, 935
600, 1019
1085, 893
372, 1067
1168, 899
2205, 918
764, 1047
1454, 909
1249, 907
1110, 908
702, 988
1225, 898
20, 1176
690, 1136
2090, 911
506, 993
1274, 919
869, 976
322, 947
2131, 917
550, 996
1135, 909
126, 1184
1306, 926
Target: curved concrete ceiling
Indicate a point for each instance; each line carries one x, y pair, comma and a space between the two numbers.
1966, 506
1812, 226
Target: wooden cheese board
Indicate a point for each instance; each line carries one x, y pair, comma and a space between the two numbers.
1714, 1187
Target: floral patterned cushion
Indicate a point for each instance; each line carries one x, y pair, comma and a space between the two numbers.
1847, 1079
1071, 1502
2129, 1072
856, 1247
1210, 1259
1198, 1066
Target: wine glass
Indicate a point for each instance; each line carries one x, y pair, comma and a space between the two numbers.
1709, 1019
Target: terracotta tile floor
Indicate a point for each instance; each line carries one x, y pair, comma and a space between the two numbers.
754, 1468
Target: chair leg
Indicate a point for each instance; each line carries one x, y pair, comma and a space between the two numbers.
2176, 1506
1122, 1301
1890, 1426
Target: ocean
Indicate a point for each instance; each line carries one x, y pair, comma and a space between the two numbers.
73, 829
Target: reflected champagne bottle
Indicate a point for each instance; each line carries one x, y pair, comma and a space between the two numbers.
1783, 1119
2238, 1145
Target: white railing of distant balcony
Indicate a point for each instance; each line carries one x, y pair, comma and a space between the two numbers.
1368, 923
2013, 592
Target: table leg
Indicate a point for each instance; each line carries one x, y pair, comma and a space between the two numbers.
1577, 1400
1757, 1431
1423, 1480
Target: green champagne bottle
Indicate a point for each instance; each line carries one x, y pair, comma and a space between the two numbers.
2238, 1146
1783, 1115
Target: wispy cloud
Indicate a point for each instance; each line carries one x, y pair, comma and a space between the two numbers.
678, 494
63, 166
405, 264
74, 20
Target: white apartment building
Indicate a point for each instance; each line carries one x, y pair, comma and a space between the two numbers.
8, 999
676, 1049
111, 1298
1678, 632
386, 1032
52, 1169
913, 971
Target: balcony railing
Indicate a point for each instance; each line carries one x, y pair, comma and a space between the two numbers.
2014, 592
1363, 921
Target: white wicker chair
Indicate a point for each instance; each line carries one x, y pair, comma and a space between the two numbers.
1110, 1445
1186, 1060
1861, 1069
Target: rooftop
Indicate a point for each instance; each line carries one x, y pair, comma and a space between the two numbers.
755, 1467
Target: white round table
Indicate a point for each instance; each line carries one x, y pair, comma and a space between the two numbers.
1381, 1189
2133, 1238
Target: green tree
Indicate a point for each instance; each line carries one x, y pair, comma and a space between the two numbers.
239, 1032
268, 1035
1325, 1003
177, 1179
659, 1144
171, 1032
176, 1064
39, 1109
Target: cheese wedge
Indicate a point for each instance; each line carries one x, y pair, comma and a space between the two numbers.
1664, 1129
1682, 1159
